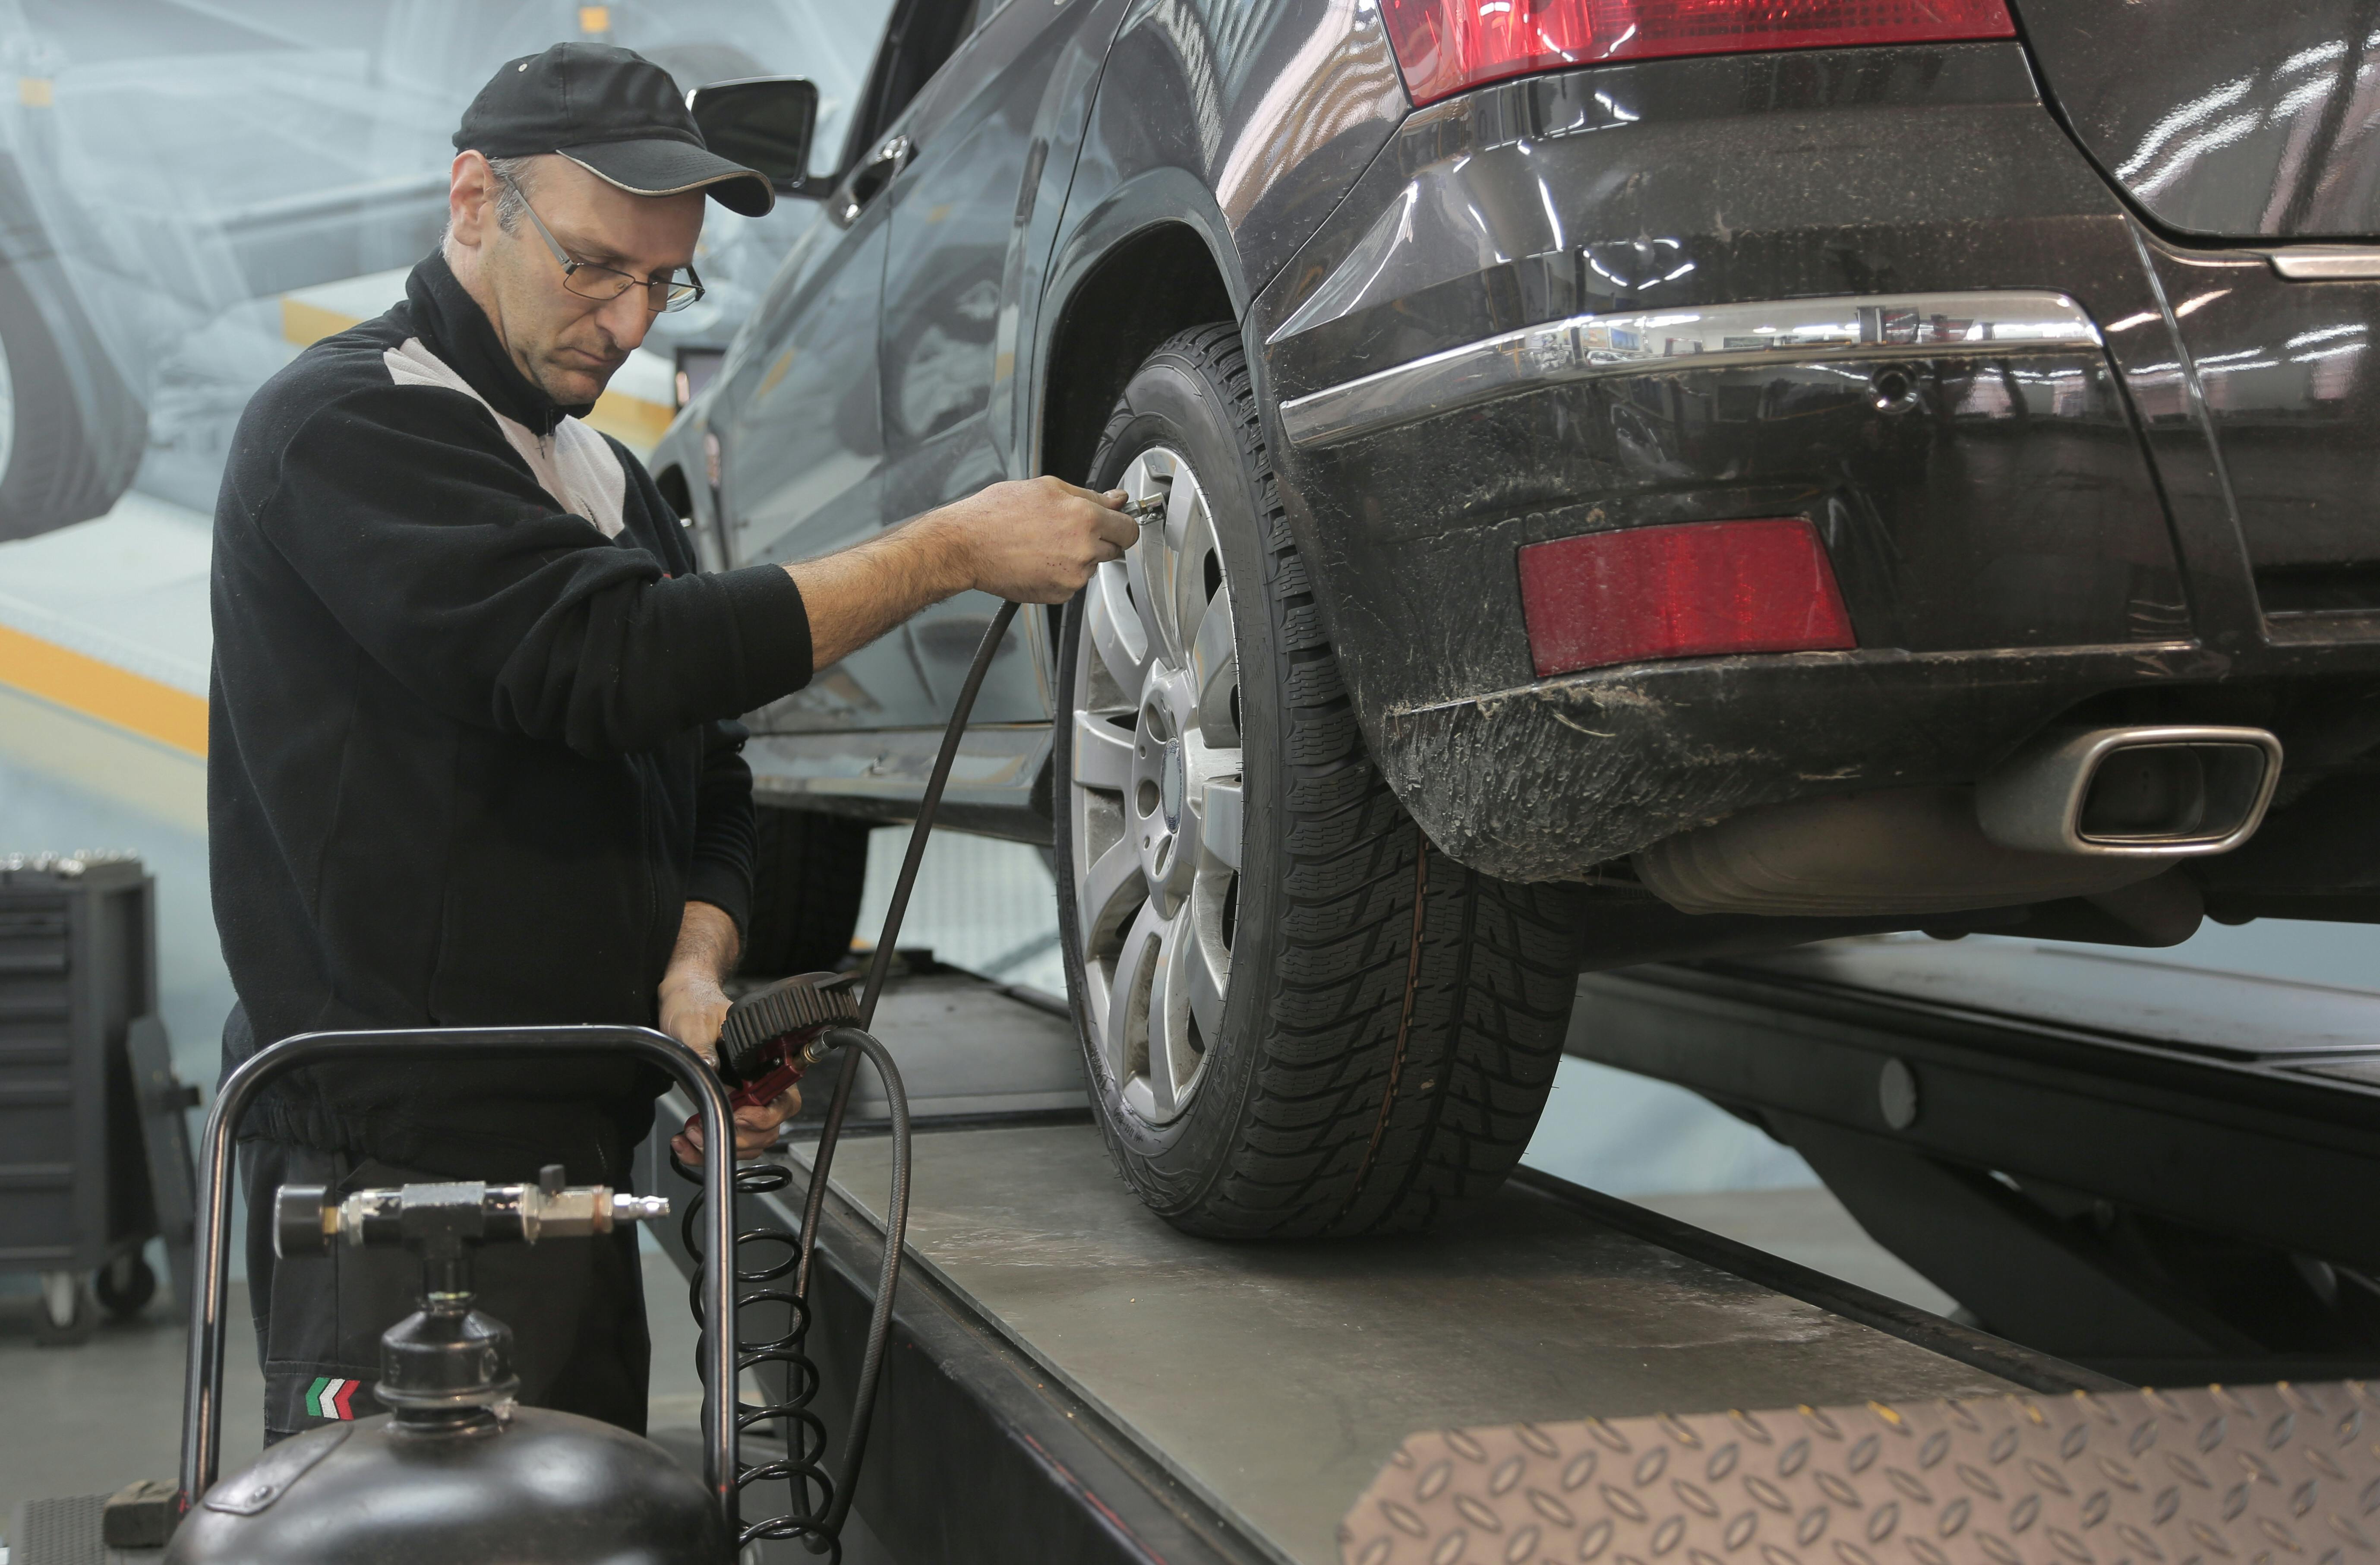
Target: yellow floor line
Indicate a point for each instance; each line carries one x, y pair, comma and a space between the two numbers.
100, 761
102, 690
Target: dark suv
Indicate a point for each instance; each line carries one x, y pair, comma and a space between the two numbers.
1644, 478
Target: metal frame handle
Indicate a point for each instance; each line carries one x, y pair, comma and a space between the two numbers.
203, 1402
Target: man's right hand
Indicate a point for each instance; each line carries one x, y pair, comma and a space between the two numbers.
1035, 540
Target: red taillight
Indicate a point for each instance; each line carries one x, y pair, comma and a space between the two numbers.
1446, 45
1694, 590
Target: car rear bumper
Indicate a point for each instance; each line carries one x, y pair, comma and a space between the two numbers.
1552, 308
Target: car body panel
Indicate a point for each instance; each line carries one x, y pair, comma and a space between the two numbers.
983, 130
1042, 143
1683, 183
2036, 531
2280, 372
820, 446
1652, 187
2224, 120
802, 453
1267, 111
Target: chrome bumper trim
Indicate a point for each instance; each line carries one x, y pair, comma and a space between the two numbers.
1712, 337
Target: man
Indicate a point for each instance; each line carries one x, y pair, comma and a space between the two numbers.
472, 754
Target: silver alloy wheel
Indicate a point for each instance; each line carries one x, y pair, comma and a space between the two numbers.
1155, 797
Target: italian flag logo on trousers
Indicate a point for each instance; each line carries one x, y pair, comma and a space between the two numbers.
330, 1397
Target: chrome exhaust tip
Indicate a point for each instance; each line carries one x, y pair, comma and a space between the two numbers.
2132, 793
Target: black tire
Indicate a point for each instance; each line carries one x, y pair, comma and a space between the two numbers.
1393, 1020
808, 874
51, 1332
56, 468
125, 1287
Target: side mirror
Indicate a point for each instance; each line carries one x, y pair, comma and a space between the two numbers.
764, 123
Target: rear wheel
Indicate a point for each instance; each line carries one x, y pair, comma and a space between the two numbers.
55, 468
808, 870
1298, 1017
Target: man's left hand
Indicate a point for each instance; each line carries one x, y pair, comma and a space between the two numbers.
755, 1129
694, 1008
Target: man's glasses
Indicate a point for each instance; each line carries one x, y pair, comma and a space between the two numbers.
606, 284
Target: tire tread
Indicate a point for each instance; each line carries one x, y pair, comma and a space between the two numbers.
1318, 1151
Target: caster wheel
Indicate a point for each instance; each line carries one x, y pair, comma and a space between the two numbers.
68, 1314
125, 1286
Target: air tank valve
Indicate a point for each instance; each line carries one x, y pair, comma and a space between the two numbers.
456, 1471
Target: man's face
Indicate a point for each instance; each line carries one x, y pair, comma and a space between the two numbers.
567, 345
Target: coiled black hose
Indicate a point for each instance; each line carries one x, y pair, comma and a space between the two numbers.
820, 1502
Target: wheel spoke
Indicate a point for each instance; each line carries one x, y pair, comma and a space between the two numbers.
1160, 557
1106, 893
1215, 671
1194, 540
1131, 998
1102, 753
1116, 630
1219, 823
1207, 968
1171, 1062
1114, 1045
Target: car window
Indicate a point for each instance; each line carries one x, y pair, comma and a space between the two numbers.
923, 35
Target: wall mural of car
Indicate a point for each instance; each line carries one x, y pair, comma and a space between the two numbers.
1642, 480
176, 179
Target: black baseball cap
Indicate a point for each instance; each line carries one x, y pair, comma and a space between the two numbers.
614, 113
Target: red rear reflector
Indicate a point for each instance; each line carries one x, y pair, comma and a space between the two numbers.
1446, 45
1696, 590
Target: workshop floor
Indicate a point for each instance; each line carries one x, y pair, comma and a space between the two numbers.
89, 1420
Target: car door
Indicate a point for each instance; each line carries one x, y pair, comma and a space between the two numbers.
980, 148
801, 455
801, 451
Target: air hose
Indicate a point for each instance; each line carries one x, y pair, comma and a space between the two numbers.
770, 1039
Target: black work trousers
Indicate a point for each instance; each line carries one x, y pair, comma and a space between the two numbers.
576, 1307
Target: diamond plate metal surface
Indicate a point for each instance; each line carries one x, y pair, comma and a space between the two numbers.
2262, 1475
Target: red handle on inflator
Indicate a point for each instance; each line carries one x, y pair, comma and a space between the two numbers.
772, 1036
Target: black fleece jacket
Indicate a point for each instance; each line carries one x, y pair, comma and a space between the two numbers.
471, 739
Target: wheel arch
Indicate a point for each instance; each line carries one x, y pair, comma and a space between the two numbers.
1154, 258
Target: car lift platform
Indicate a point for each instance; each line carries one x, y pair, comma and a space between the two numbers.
2161, 1172
1562, 1375
1072, 1378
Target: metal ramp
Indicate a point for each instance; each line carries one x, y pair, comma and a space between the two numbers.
1071, 1378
